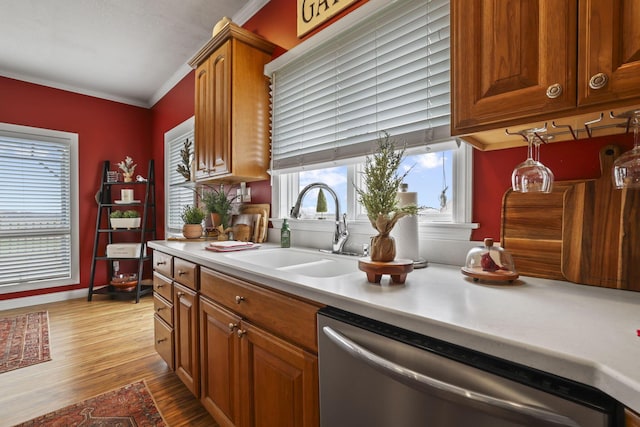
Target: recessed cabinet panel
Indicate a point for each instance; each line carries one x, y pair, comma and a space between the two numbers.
186, 337
219, 355
610, 50
508, 55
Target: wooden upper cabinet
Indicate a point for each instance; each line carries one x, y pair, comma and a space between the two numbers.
232, 107
511, 59
521, 63
610, 50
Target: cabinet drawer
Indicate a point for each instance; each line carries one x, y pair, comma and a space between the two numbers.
283, 315
163, 263
185, 273
163, 286
163, 309
164, 341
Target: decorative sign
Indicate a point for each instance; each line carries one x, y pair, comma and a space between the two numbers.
312, 13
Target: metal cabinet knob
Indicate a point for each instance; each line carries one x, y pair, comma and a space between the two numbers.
241, 333
232, 326
239, 299
554, 91
598, 81
180, 294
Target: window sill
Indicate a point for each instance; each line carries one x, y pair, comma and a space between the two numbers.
427, 230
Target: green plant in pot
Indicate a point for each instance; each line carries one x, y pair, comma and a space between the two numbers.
218, 203
192, 216
125, 219
379, 196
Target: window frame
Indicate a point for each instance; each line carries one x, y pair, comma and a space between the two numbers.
177, 134
71, 139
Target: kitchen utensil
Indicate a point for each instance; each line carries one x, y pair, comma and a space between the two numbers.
600, 237
260, 229
532, 230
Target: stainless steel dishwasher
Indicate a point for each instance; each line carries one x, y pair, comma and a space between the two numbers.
376, 375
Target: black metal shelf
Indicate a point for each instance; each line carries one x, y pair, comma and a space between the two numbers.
106, 235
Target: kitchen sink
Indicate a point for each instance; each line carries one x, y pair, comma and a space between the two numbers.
299, 261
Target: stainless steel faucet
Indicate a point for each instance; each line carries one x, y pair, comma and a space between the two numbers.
341, 233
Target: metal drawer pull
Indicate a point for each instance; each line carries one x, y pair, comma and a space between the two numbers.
161, 262
554, 91
239, 299
160, 341
450, 392
159, 309
598, 81
180, 272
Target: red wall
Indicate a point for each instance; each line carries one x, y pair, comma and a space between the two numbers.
106, 131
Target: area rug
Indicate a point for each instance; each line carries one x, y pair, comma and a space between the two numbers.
131, 405
24, 340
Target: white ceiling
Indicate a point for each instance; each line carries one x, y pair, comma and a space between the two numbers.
131, 51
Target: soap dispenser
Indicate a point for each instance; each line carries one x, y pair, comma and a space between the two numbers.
285, 235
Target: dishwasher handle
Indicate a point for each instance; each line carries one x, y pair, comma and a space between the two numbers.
453, 393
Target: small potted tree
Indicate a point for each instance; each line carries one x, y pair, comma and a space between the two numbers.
192, 216
379, 196
321, 205
125, 219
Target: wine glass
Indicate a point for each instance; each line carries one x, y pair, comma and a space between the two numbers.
531, 175
626, 168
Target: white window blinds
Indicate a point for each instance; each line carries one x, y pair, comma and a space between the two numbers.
388, 73
178, 195
35, 209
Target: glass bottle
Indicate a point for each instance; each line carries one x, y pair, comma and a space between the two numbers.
285, 235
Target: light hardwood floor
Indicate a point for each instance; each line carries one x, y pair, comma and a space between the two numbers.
96, 347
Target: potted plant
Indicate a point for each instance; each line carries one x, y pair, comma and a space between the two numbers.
218, 203
124, 219
192, 217
379, 196
127, 167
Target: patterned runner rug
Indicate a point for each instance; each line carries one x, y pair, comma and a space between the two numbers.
131, 405
24, 340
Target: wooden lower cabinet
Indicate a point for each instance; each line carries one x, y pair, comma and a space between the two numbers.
186, 340
256, 367
279, 381
219, 362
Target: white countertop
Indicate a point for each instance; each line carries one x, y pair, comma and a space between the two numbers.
583, 333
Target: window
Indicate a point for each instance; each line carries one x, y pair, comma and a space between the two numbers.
384, 67
38, 208
177, 193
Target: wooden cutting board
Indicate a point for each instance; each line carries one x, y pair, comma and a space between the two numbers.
532, 230
600, 231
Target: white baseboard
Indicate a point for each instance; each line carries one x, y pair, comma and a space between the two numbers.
42, 299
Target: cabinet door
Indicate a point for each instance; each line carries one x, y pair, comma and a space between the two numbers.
213, 111
511, 59
203, 120
219, 357
609, 49
186, 337
279, 381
